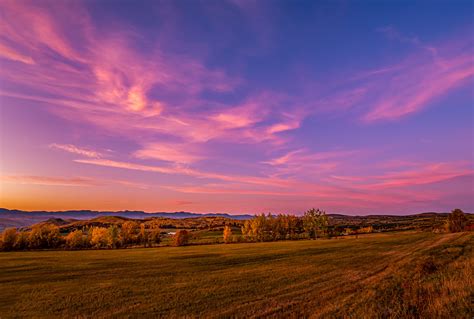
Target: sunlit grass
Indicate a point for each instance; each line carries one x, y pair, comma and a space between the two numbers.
381, 275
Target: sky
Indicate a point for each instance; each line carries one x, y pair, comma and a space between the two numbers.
354, 107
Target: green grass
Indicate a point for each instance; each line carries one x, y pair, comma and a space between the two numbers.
381, 275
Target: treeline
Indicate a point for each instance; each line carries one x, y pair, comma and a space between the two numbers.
48, 236
313, 224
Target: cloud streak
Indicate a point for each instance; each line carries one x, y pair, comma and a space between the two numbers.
76, 150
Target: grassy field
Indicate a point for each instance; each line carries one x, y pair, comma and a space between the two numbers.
382, 275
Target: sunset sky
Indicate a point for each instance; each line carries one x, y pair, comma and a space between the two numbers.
353, 107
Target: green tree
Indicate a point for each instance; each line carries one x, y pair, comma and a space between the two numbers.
315, 223
114, 238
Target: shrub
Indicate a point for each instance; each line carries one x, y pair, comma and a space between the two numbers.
181, 238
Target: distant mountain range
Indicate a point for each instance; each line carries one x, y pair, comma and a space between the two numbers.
20, 218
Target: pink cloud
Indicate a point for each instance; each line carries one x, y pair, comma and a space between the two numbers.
180, 170
406, 175
176, 153
68, 181
111, 84
76, 150
50, 181
11, 54
426, 174
420, 79
304, 163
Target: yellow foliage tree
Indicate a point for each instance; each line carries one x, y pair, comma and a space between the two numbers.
181, 238
75, 239
100, 237
45, 236
22, 240
227, 234
143, 237
155, 233
8, 238
130, 232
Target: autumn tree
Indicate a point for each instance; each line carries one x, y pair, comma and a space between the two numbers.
8, 239
22, 240
75, 240
258, 226
143, 236
155, 233
130, 232
100, 237
113, 236
44, 236
227, 234
456, 221
181, 238
246, 229
315, 222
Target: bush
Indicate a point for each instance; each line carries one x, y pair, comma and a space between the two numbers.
181, 238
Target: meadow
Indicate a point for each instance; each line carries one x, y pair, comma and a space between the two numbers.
385, 275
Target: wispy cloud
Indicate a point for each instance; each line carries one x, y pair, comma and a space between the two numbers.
175, 153
180, 170
76, 150
69, 181
418, 84
51, 181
